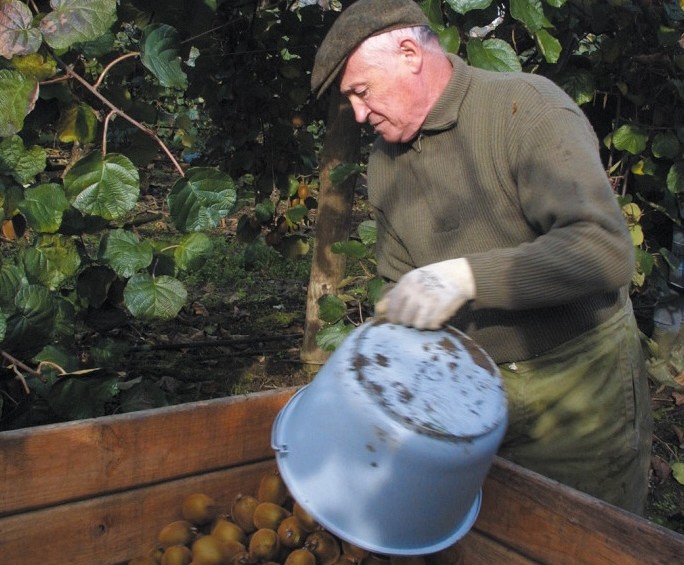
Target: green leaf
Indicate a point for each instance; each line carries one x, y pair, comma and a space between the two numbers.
331, 337
492, 54
18, 96
21, 164
351, 248
77, 396
331, 308
201, 199
342, 172
368, 232
52, 260
465, 6
449, 39
33, 321
665, 145
93, 284
579, 85
154, 298
529, 12
678, 472
35, 66
78, 122
549, 46
296, 214
108, 187
3, 325
375, 289
675, 178
12, 278
17, 34
124, 253
630, 138
556, 3
264, 211
77, 21
193, 249
160, 54
43, 206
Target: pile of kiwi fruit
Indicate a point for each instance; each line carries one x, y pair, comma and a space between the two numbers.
268, 527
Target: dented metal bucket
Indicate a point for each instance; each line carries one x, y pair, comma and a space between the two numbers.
389, 445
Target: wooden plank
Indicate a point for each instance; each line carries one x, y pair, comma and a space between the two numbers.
478, 549
54, 464
114, 528
555, 524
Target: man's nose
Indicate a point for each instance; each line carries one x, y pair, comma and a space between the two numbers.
361, 111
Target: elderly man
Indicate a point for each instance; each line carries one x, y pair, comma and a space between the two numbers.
495, 215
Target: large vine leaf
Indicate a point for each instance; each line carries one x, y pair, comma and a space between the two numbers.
630, 138
331, 337
492, 54
83, 394
78, 123
35, 66
20, 163
124, 253
3, 325
203, 197
331, 308
154, 298
665, 145
30, 327
43, 206
675, 178
549, 46
193, 249
17, 34
350, 248
12, 278
465, 6
52, 260
108, 186
579, 85
529, 12
18, 96
368, 232
159, 53
77, 21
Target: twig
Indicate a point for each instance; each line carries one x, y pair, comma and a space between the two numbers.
214, 343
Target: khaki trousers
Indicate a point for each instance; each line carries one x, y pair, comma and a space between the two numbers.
580, 414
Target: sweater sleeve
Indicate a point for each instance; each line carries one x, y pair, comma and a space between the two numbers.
583, 246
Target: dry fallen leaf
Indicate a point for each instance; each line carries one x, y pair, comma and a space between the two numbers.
661, 468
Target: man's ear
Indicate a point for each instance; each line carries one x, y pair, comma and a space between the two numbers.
411, 53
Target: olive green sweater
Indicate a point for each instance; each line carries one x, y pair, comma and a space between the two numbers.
506, 173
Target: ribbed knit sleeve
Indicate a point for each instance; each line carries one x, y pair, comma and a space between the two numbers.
506, 172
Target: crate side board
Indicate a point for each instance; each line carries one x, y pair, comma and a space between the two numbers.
556, 524
56, 464
115, 528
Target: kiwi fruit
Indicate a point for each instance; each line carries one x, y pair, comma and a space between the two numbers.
199, 509
226, 530
179, 532
176, 555
242, 512
272, 489
209, 550
307, 520
264, 545
242, 558
301, 556
352, 552
269, 515
291, 533
324, 546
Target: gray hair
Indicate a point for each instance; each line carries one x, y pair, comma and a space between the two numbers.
375, 49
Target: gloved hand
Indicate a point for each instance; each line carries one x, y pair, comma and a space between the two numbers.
427, 297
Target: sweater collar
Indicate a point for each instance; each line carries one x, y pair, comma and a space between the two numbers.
444, 114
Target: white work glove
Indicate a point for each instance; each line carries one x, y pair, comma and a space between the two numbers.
427, 297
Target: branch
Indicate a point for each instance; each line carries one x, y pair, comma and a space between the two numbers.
119, 112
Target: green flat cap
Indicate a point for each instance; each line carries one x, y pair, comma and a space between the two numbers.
361, 20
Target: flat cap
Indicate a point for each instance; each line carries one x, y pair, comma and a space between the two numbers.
360, 21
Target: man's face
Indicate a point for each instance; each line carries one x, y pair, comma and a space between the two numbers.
382, 96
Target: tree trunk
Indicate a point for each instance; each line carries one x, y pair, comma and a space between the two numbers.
342, 145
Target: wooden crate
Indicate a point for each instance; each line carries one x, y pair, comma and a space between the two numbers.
97, 492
